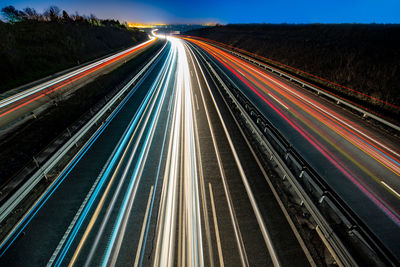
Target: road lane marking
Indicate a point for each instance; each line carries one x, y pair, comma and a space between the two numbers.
132, 124
254, 205
281, 205
220, 255
166, 231
72, 224
283, 105
140, 244
391, 189
202, 185
392, 165
130, 195
197, 102
157, 178
194, 239
235, 224
101, 203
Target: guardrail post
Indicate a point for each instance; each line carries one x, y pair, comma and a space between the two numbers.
321, 199
303, 169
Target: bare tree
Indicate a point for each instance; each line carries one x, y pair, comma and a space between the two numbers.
66, 17
52, 13
31, 14
11, 14
94, 20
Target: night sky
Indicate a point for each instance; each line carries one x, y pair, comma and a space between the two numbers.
229, 11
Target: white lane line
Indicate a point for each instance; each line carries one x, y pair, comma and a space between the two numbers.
391, 189
197, 102
232, 214
285, 212
72, 224
220, 255
151, 95
278, 101
166, 223
139, 248
78, 213
254, 205
192, 209
202, 186
115, 242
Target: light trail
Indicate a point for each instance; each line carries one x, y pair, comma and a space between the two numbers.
153, 147
164, 247
142, 158
256, 210
145, 105
335, 120
26, 97
238, 236
8, 241
338, 124
181, 169
296, 70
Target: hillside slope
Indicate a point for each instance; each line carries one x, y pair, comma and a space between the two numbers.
30, 50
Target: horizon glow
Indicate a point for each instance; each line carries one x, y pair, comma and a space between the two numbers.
228, 11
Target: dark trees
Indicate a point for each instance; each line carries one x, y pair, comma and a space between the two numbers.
33, 45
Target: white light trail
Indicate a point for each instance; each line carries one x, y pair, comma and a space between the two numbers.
183, 166
19, 96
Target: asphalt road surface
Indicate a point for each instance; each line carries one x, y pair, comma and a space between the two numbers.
358, 160
167, 180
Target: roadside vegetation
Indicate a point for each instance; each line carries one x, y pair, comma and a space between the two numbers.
362, 57
35, 45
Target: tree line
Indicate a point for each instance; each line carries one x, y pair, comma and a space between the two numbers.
35, 45
54, 14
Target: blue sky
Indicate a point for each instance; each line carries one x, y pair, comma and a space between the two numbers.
230, 11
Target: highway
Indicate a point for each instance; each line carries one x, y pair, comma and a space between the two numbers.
167, 180
17, 104
357, 159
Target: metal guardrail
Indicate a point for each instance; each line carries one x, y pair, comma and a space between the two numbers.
12, 202
334, 218
310, 87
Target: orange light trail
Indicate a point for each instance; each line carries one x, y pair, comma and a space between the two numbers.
340, 125
31, 98
298, 70
264, 84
